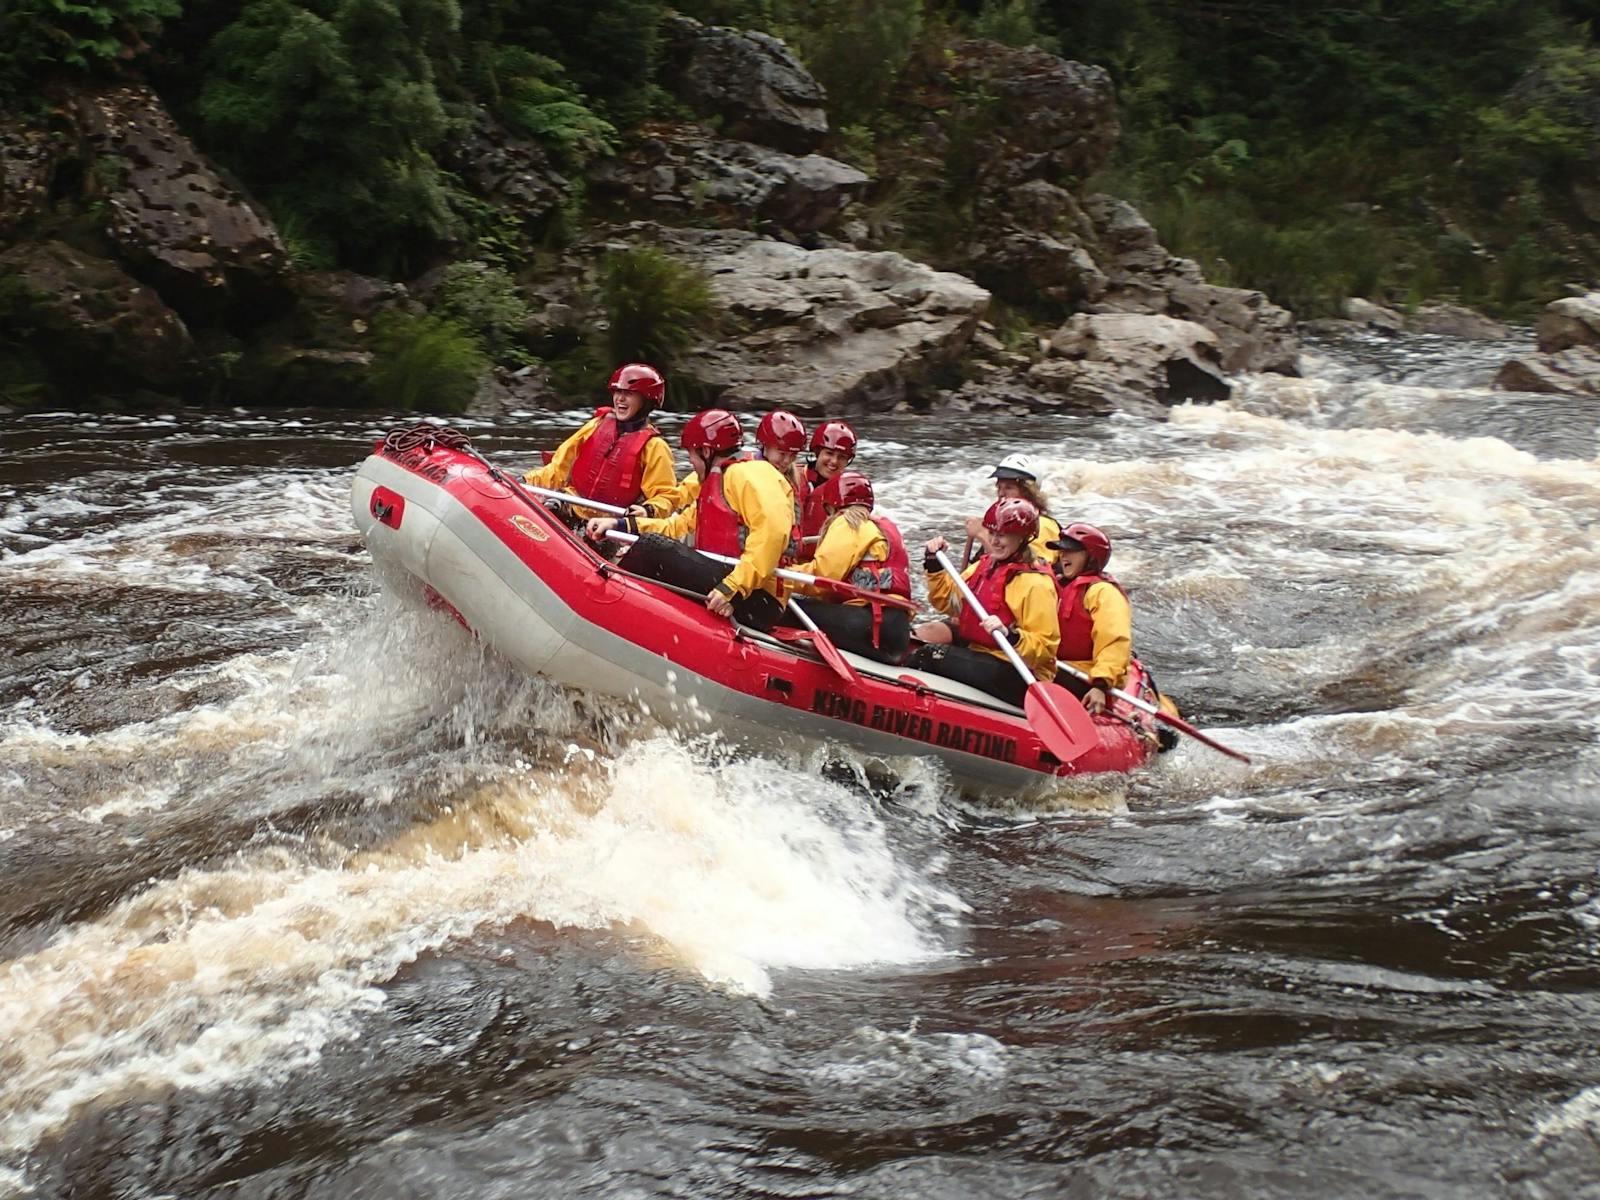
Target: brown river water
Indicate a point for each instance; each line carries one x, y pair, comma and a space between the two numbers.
305, 894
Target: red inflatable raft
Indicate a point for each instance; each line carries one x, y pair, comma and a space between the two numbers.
539, 594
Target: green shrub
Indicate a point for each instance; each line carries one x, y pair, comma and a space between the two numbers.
1013, 23
484, 300
657, 306
39, 38
425, 362
532, 95
855, 48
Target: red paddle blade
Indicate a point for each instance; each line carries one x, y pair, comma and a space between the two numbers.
1062, 723
831, 656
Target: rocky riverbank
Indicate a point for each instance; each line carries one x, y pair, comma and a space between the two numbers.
134, 269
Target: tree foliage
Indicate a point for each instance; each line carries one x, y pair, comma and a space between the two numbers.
41, 38
335, 104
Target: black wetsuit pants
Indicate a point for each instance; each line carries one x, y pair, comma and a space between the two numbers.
661, 558
986, 672
850, 628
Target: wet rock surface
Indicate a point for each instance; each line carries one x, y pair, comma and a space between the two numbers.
88, 318
681, 173
1132, 359
829, 330
750, 81
1567, 360
172, 216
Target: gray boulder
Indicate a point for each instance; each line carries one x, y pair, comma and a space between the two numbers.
1143, 277
1452, 320
1373, 316
96, 326
1574, 371
1132, 359
681, 174
825, 331
1032, 268
1570, 321
1568, 359
510, 172
751, 81
172, 217
1051, 119
1253, 333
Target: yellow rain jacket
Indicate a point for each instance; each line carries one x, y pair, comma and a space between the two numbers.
1112, 638
1049, 531
659, 478
837, 554
763, 500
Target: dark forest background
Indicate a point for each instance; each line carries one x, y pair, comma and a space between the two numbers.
1403, 150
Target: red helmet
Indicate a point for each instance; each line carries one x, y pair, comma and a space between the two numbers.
847, 488
714, 431
834, 435
1013, 516
1079, 536
782, 431
641, 378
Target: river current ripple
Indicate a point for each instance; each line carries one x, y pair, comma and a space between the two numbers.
306, 895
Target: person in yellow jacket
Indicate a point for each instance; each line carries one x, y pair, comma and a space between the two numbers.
864, 549
1094, 614
617, 457
1016, 478
776, 436
1017, 593
744, 510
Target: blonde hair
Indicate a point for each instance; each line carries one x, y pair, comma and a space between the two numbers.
1034, 493
853, 516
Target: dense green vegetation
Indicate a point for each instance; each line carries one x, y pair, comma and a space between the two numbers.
1397, 149
1371, 147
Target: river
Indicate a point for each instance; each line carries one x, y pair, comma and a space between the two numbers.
307, 895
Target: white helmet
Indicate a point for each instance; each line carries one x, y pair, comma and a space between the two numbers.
1015, 466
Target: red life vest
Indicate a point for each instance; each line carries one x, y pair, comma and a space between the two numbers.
891, 574
610, 464
988, 584
809, 498
717, 527
1077, 622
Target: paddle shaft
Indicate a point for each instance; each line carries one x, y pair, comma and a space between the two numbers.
1166, 718
824, 645
793, 576
577, 501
